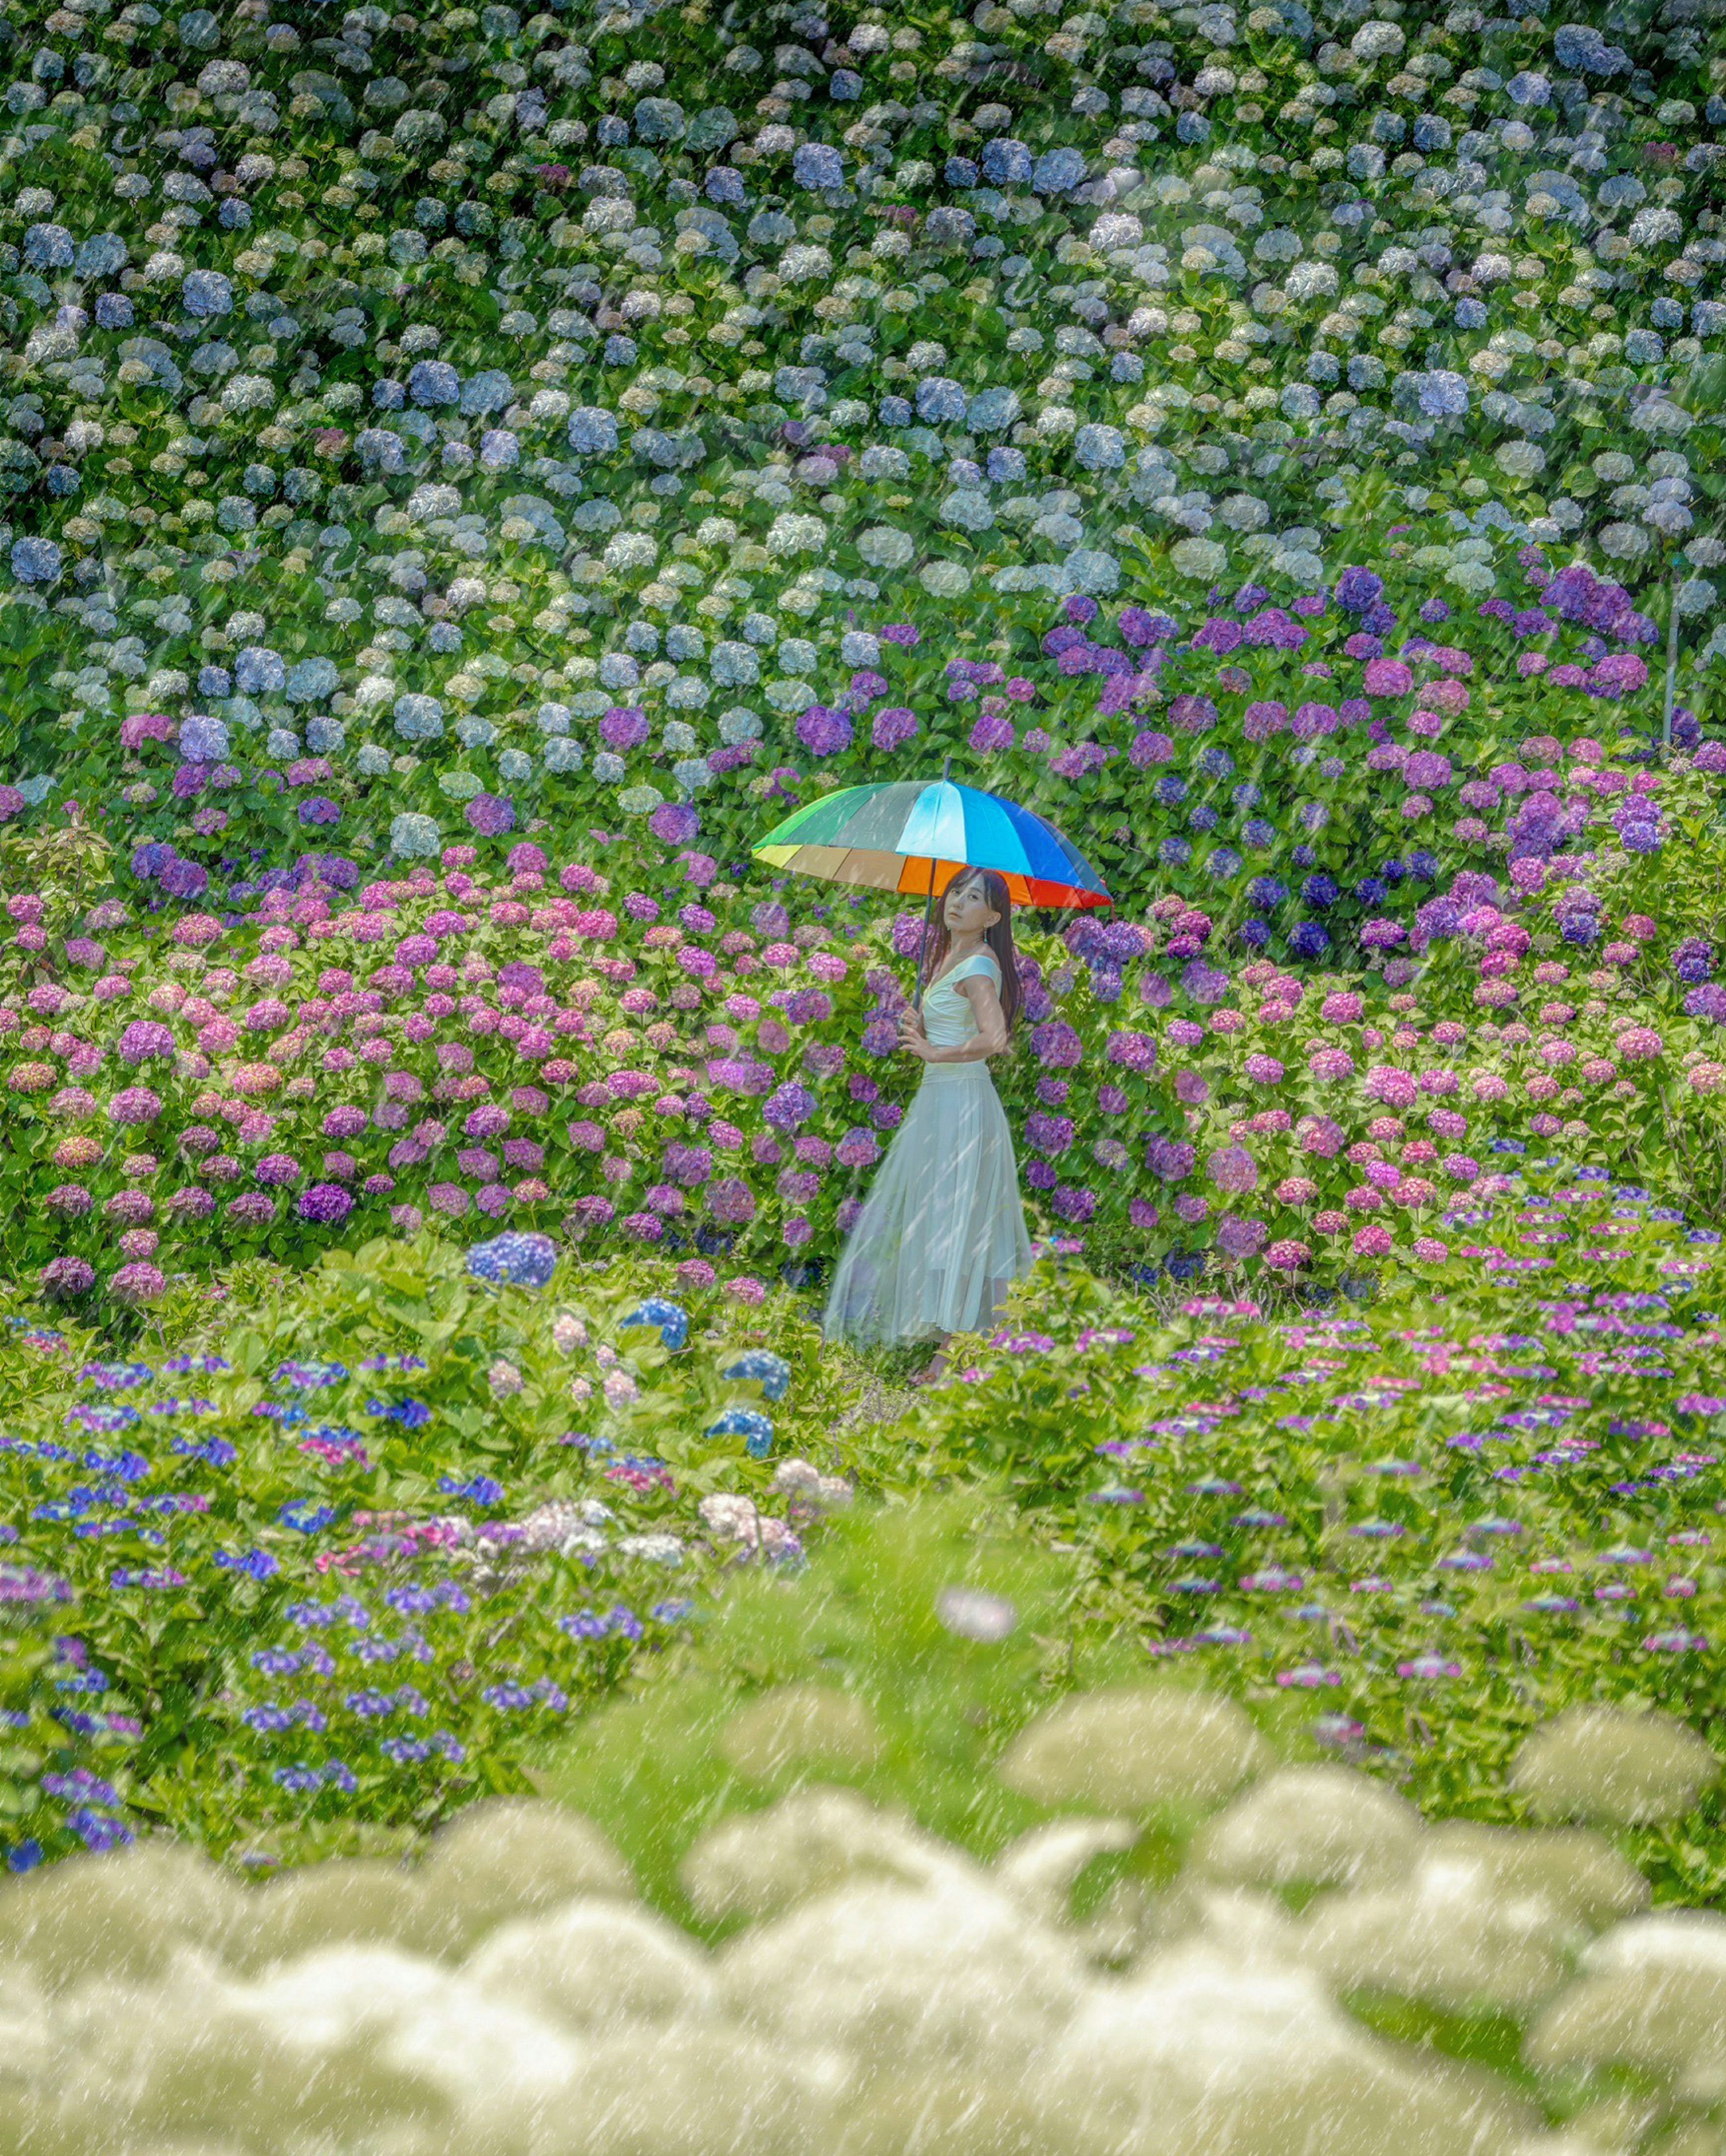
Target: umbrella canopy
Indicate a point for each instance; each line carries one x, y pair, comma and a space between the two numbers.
916, 835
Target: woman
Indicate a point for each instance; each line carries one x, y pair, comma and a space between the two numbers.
943, 1232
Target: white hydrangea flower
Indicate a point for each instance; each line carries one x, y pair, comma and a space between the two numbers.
966, 508
1089, 569
1377, 41
734, 666
1624, 541
946, 579
661, 1549
793, 533
1198, 557
627, 550
1243, 512
414, 837
884, 547
1520, 459
1100, 447
248, 392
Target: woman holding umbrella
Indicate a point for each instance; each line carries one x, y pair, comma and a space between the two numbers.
941, 1234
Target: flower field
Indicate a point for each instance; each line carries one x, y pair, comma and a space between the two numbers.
464, 1635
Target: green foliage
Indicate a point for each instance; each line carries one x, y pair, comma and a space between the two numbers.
864, 1619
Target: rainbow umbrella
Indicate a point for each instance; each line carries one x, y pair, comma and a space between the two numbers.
916, 835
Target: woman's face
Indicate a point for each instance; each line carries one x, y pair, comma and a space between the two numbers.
966, 906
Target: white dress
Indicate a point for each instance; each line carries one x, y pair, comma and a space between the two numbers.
942, 1231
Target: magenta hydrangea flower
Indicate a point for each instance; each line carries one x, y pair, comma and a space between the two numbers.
824, 731
1057, 1046
1149, 749
184, 879
992, 733
1133, 1052
1387, 677
1170, 1159
1232, 1168
138, 1284
1239, 1239
324, 1204
731, 1202
788, 1105
144, 1042
135, 1105
675, 823
624, 728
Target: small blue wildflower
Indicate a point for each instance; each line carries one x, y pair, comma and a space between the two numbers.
306, 1515
478, 1490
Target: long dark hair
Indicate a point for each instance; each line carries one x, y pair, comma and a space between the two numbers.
997, 939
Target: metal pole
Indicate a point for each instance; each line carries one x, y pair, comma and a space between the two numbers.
923, 949
1672, 657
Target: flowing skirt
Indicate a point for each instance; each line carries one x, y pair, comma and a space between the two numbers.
943, 1232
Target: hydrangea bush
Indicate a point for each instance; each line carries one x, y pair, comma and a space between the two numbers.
360, 1545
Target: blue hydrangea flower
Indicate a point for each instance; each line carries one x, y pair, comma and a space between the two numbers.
817, 165
671, 1319
1058, 171
760, 1366
478, 1489
36, 561
522, 1259
755, 1429
206, 293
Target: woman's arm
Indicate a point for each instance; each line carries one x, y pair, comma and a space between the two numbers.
989, 1038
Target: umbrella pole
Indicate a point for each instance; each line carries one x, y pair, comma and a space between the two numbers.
923, 949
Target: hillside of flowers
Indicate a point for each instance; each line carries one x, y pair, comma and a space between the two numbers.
479, 1672
428, 425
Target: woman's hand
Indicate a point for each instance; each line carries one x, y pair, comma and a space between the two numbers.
913, 1038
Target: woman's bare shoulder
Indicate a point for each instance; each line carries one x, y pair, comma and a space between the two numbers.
980, 966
